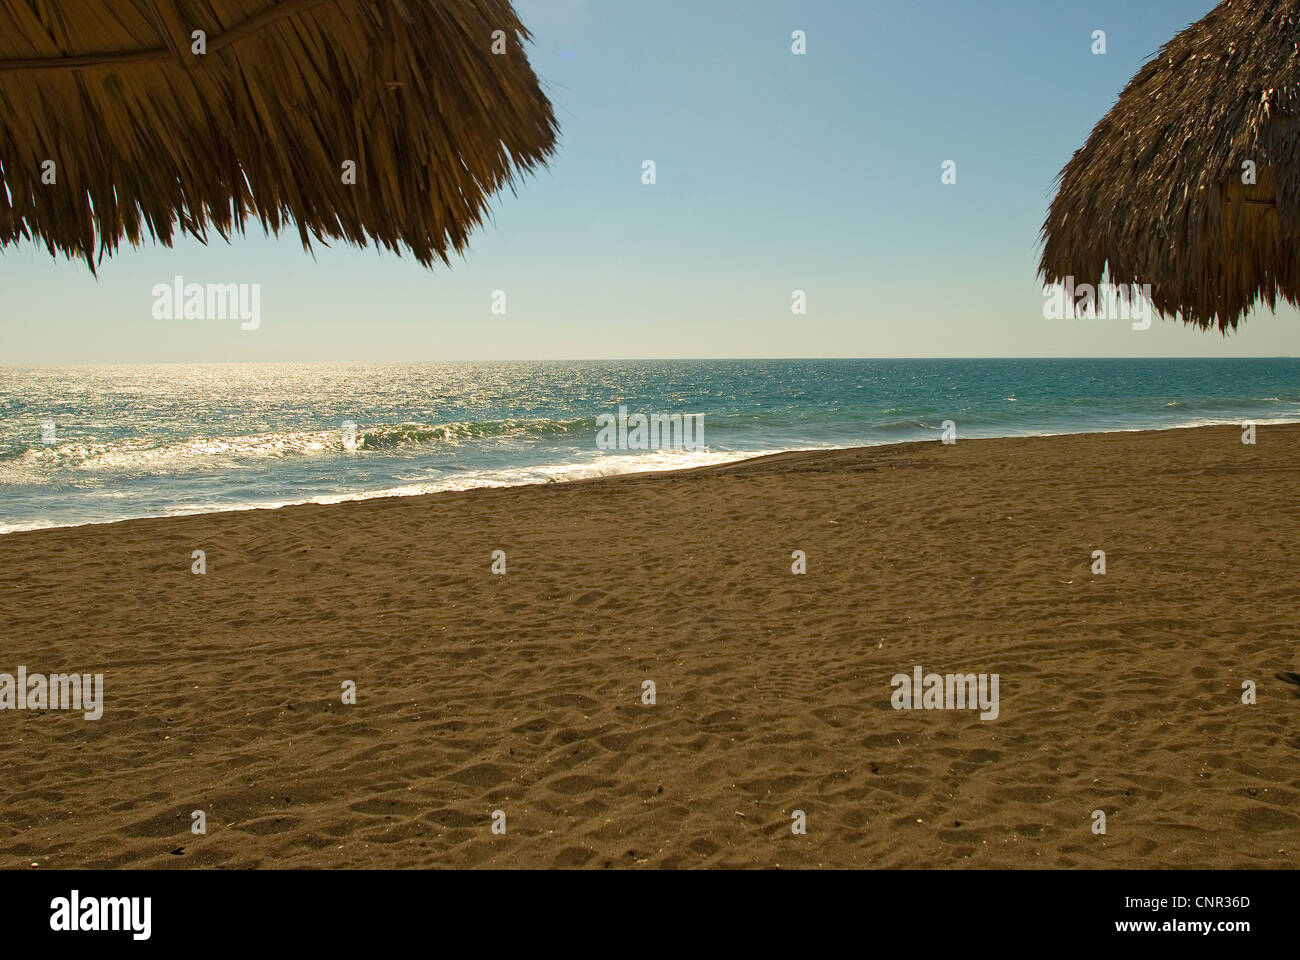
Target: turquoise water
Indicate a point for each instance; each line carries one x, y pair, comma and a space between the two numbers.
135, 441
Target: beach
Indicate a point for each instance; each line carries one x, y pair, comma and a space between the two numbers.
524, 692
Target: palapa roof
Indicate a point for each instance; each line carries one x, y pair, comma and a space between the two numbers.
1156, 195
149, 138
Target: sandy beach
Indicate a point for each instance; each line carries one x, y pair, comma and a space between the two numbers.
523, 692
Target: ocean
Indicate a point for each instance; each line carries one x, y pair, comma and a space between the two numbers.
84, 444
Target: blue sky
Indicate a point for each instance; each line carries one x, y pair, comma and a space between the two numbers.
775, 172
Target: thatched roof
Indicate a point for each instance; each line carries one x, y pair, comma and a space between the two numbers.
1156, 194
149, 138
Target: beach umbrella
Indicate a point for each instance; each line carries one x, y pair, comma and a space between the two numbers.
1192, 182
384, 121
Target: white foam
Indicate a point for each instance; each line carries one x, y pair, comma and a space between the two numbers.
655, 462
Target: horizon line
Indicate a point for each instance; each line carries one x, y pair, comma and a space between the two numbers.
159, 363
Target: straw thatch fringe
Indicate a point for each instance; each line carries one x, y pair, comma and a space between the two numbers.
148, 138
284, 8
1156, 195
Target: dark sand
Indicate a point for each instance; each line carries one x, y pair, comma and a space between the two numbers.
477, 692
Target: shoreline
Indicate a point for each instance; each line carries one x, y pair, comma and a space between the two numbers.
741, 457
524, 692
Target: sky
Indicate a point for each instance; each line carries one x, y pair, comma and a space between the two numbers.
775, 172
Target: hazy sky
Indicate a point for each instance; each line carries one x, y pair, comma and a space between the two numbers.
775, 172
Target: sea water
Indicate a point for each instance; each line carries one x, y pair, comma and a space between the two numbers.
86, 444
